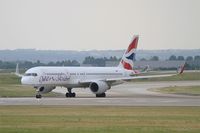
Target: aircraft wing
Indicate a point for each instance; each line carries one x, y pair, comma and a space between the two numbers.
121, 79
179, 71
139, 77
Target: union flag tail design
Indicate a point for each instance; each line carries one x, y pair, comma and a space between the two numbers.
127, 61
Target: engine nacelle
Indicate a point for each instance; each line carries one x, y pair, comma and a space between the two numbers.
99, 87
45, 89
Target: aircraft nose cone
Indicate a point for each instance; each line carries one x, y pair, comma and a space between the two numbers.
23, 80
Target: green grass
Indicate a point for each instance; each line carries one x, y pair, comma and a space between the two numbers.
8, 78
15, 90
186, 90
87, 119
10, 86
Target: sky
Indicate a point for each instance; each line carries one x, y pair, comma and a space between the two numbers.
99, 24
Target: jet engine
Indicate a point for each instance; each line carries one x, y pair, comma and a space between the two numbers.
45, 89
99, 87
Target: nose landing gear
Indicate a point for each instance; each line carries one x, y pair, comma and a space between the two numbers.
38, 96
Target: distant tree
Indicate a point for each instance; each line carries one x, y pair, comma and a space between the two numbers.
1, 64
172, 57
67, 63
38, 62
115, 58
187, 66
28, 64
95, 61
99, 61
88, 60
197, 58
112, 58
180, 58
75, 63
154, 58
51, 64
143, 59
7, 65
189, 58
58, 63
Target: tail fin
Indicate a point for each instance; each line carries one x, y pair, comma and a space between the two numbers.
17, 71
129, 55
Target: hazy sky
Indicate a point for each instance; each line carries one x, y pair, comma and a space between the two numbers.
99, 24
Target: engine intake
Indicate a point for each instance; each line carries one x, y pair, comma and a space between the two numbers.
99, 87
45, 89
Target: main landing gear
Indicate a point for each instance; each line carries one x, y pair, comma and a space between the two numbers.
69, 93
101, 95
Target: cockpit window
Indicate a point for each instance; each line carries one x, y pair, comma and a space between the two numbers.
31, 74
34, 74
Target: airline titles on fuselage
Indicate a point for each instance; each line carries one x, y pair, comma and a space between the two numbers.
48, 77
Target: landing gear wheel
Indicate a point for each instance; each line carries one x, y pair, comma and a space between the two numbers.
38, 96
73, 94
69, 93
101, 95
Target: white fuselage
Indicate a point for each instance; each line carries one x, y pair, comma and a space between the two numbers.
70, 76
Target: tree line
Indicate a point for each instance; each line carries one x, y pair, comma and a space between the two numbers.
28, 64
191, 62
99, 61
174, 58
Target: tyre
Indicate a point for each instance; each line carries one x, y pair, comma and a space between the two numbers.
38, 96
101, 95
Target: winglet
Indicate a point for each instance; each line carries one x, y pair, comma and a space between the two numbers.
145, 69
181, 68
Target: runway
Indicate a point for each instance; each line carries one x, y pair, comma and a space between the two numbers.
137, 101
128, 94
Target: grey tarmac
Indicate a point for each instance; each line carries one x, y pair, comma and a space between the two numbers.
128, 94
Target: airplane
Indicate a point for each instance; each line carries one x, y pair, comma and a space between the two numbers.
97, 79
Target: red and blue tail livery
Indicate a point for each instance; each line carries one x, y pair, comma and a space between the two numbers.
128, 58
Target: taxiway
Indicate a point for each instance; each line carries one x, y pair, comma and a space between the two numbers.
128, 94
